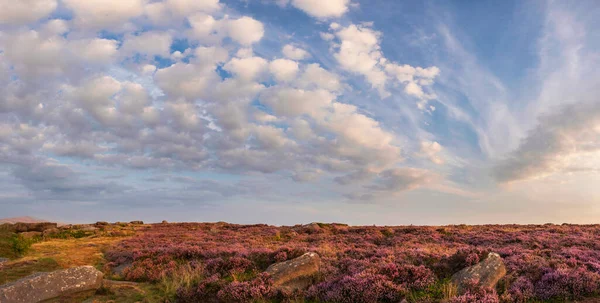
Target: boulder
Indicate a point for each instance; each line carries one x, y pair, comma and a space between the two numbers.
296, 273
25, 227
51, 232
85, 227
102, 223
486, 273
43, 286
2, 260
31, 234
137, 222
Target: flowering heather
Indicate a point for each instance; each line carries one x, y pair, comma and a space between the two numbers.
367, 264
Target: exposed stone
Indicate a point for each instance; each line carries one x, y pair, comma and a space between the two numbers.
85, 227
121, 268
8, 227
102, 223
51, 232
31, 234
486, 273
2, 260
296, 273
137, 222
25, 227
43, 286
66, 227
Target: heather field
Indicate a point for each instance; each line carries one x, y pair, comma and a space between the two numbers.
220, 262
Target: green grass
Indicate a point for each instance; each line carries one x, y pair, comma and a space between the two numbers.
18, 271
6, 245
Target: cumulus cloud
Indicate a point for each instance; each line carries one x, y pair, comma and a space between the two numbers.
245, 30
358, 50
322, 9
148, 43
558, 138
283, 70
25, 11
294, 53
98, 14
92, 89
247, 69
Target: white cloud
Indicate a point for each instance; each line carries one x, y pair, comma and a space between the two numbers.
294, 53
431, 151
148, 43
189, 81
95, 50
247, 69
322, 9
283, 70
99, 14
314, 76
25, 11
359, 52
246, 30
294, 102
184, 7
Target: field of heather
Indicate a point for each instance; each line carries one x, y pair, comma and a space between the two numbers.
200, 262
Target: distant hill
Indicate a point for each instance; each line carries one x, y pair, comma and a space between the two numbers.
25, 219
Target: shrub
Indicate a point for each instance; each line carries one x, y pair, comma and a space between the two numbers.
362, 288
21, 245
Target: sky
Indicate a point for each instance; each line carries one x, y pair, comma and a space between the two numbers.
294, 111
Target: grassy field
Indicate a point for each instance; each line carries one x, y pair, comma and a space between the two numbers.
67, 251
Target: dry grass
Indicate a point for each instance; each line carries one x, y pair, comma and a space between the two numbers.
72, 252
185, 276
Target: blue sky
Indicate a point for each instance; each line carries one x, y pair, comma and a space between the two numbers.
293, 111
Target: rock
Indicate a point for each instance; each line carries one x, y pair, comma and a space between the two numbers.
164, 222
85, 227
486, 273
102, 223
43, 286
2, 260
7, 227
25, 227
50, 232
31, 234
121, 268
65, 227
296, 273
137, 222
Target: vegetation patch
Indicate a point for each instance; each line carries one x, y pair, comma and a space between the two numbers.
18, 270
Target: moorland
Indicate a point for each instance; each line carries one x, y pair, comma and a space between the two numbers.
317, 262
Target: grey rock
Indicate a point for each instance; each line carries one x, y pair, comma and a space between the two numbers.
2, 260
486, 273
40, 227
296, 273
43, 286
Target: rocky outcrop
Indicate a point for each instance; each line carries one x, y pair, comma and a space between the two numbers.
137, 222
296, 273
39, 227
31, 234
43, 286
486, 273
51, 232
